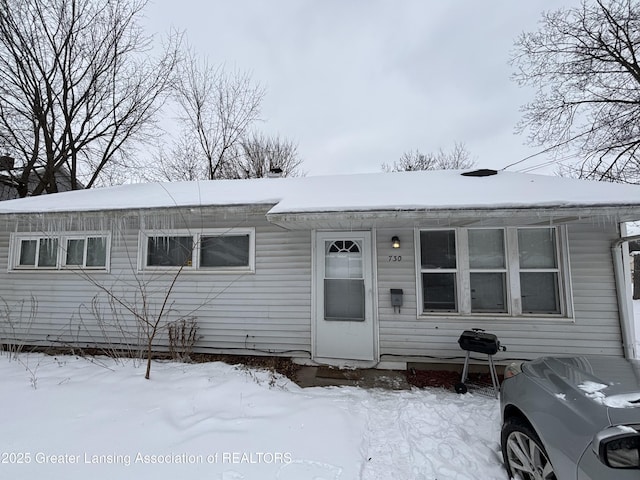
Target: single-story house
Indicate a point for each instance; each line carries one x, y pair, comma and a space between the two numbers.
364, 270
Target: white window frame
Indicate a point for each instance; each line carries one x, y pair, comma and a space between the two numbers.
15, 242
195, 267
468, 270
512, 267
562, 267
455, 271
85, 238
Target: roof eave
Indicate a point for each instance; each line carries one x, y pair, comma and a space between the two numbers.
561, 214
123, 212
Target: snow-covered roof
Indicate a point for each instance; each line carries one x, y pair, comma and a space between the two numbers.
401, 191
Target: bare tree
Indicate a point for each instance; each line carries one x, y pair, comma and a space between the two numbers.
458, 158
584, 64
260, 155
217, 108
183, 161
77, 87
150, 317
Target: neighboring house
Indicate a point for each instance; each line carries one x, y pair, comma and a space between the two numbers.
306, 267
8, 190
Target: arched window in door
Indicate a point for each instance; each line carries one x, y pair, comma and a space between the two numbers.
344, 297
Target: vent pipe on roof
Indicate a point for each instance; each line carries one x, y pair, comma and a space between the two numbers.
482, 172
274, 172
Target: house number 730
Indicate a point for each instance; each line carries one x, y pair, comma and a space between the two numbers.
395, 258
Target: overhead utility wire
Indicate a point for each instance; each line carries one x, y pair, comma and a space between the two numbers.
544, 151
547, 163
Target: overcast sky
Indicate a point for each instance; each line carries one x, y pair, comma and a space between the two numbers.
358, 82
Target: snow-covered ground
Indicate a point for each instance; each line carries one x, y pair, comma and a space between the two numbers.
71, 418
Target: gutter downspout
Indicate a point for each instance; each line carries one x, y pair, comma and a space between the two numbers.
625, 306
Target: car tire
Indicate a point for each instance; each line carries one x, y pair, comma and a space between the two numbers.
524, 455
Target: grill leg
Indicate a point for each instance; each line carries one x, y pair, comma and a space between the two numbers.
465, 368
494, 375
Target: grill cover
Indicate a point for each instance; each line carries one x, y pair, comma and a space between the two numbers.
479, 341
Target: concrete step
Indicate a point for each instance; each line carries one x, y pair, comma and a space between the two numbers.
313, 376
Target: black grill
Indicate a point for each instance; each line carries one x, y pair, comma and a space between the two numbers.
478, 341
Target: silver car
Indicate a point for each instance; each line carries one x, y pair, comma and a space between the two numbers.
572, 418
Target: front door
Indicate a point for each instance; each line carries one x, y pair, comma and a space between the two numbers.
344, 296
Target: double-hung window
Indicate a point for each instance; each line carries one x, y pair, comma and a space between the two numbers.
439, 270
74, 250
500, 271
539, 272
487, 270
210, 249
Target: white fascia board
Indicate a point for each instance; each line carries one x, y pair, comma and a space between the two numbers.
557, 215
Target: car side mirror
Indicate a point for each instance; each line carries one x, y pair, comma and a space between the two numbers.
618, 447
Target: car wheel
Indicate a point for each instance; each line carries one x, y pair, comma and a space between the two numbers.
523, 452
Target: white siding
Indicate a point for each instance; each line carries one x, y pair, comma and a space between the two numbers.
268, 311
595, 331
